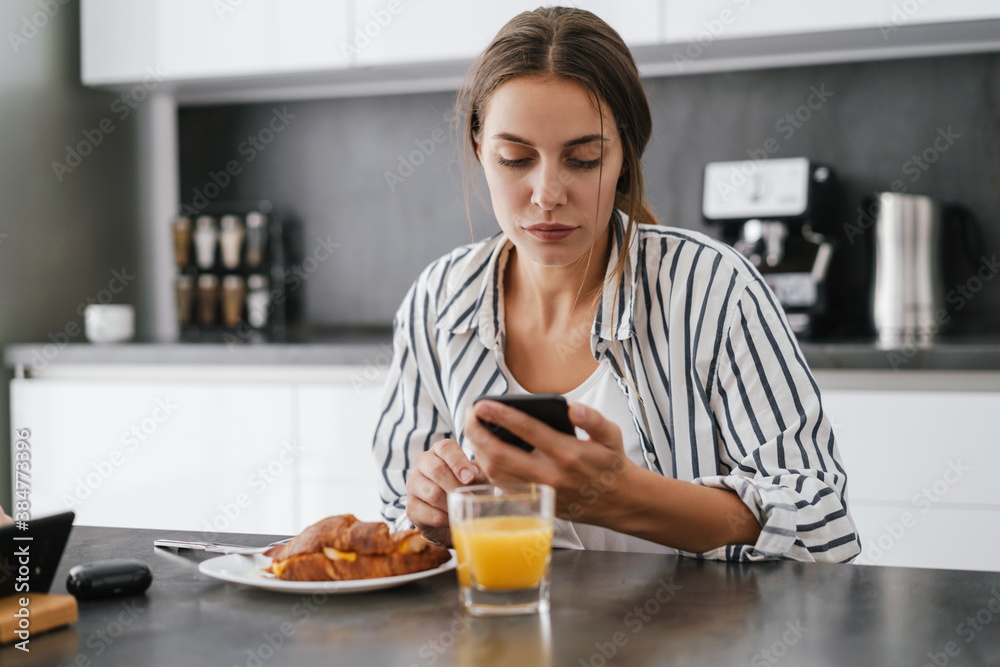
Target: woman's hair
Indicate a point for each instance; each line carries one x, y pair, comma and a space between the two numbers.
572, 44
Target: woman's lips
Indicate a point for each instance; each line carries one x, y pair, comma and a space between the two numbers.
550, 231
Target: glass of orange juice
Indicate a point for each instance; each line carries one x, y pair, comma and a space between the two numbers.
502, 534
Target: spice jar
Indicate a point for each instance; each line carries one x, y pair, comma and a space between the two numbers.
208, 299
231, 241
258, 301
234, 291
206, 238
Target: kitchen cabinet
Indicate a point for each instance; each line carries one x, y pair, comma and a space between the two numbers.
255, 455
179, 40
336, 422
704, 22
920, 481
190, 40
436, 30
237, 51
214, 456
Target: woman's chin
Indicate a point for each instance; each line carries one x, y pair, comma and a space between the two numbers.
553, 255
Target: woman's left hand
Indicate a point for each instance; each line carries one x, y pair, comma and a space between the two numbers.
588, 475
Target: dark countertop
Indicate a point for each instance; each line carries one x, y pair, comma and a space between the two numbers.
646, 609
373, 345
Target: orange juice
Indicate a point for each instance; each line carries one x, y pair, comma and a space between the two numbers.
502, 552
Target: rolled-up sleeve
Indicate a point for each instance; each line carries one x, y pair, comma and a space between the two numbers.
410, 420
778, 441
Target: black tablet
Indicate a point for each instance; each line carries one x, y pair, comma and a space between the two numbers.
31, 555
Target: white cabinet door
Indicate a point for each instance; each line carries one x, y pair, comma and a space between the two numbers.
398, 32
336, 422
726, 19
195, 39
921, 478
949, 539
118, 40
212, 456
637, 21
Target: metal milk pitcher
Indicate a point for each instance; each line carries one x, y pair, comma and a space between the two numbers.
908, 287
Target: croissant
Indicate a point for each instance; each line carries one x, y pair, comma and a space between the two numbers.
341, 548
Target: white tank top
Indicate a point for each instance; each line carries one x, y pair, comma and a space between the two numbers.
601, 392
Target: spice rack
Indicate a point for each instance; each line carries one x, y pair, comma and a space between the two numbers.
230, 260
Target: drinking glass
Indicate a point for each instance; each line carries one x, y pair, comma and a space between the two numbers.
502, 534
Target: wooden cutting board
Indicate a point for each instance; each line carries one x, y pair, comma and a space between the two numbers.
46, 611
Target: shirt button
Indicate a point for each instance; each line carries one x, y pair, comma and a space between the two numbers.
650, 458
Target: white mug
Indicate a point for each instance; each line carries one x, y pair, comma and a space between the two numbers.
109, 323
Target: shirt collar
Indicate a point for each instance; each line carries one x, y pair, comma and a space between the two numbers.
474, 302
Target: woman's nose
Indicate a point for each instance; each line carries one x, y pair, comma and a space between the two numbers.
549, 187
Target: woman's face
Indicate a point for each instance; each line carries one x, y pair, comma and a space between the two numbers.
541, 149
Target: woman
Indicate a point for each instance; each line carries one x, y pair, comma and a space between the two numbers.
704, 432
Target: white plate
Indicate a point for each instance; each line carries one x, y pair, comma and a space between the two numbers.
248, 570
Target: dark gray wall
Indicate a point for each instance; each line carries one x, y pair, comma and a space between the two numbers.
60, 241
327, 168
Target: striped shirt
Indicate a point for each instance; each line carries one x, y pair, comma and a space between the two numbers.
719, 391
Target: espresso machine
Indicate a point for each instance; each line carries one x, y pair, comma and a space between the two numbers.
776, 212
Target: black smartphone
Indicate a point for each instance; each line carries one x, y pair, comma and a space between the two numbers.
36, 549
549, 408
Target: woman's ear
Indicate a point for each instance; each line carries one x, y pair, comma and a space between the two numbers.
479, 153
623, 182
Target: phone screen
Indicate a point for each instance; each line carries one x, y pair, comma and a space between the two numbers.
551, 409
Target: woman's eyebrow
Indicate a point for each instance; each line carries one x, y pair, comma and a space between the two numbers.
506, 136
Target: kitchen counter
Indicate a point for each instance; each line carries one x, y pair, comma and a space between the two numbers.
642, 609
373, 346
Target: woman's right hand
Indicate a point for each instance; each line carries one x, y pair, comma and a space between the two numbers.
4, 519
436, 472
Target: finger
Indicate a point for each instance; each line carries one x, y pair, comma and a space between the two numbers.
596, 426
436, 469
423, 515
427, 490
464, 470
539, 434
499, 460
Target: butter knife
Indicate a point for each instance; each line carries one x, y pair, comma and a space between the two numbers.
216, 547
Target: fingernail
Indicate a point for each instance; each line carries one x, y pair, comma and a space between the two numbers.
579, 411
466, 476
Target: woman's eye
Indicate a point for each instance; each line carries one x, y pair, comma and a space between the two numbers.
513, 164
586, 164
